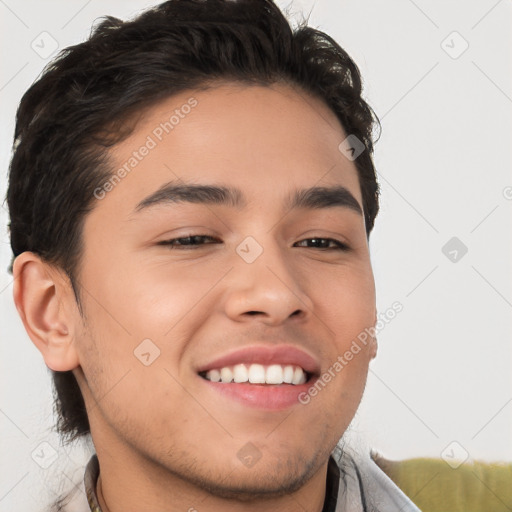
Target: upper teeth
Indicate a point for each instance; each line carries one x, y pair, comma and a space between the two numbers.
258, 374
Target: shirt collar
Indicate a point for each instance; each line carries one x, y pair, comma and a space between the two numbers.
92, 472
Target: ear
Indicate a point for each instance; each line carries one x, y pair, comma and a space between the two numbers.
373, 341
42, 297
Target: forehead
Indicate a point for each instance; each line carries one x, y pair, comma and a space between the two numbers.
262, 140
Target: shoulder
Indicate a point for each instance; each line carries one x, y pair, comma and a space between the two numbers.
367, 487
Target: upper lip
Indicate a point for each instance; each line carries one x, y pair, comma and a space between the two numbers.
266, 355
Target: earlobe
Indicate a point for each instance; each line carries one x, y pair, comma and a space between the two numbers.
373, 348
374, 343
40, 296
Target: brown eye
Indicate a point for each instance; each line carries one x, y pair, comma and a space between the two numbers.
187, 241
323, 244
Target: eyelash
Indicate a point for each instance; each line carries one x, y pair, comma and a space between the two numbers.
341, 246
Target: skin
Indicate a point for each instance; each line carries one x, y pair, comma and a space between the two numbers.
164, 440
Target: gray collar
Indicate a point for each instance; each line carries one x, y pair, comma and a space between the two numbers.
364, 487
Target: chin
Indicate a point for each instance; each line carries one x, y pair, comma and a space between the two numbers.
268, 480
259, 486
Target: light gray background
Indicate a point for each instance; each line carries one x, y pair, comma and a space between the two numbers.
443, 369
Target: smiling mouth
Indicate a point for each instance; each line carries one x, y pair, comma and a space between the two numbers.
258, 374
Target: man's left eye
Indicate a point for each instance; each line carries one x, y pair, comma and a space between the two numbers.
340, 246
193, 241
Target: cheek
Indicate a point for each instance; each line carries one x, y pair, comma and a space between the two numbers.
154, 298
125, 391
350, 309
347, 299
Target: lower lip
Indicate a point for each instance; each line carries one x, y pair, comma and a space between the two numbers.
261, 396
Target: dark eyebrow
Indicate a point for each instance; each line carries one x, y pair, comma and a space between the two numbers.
324, 197
309, 198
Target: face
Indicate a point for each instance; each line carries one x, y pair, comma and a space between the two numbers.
260, 284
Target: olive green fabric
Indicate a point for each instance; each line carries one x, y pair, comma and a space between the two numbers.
434, 486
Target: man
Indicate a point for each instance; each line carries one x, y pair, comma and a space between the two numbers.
191, 197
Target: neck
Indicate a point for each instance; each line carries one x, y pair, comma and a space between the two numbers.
116, 494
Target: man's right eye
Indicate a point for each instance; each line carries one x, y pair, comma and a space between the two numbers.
187, 241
